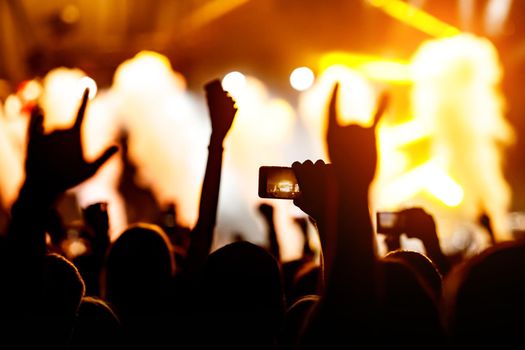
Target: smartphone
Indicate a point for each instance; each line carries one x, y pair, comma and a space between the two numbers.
278, 182
96, 217
389, 222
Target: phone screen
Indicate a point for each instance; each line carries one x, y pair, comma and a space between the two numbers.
278, 182
387, 222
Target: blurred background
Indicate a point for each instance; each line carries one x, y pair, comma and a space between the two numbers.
148, 62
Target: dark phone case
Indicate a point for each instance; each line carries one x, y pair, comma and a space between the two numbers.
396, 229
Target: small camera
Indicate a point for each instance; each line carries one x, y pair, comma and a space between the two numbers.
278, 183
390, 222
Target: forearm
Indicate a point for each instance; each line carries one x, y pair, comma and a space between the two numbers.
275, 249
27, 228
27, 249
351, 282
435, 254
202, 235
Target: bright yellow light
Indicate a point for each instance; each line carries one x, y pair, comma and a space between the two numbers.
429, 178
404, 134
454, 137
88, 83
393, 72
445, 189
371, 67
415, 17
302, 78
234, 82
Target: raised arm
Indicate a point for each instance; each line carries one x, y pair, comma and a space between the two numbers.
266, 211
353, 153
420, 224
303, 226
222, 111
54, 163
351, 295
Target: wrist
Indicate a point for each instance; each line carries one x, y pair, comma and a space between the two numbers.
36, 195
216, 141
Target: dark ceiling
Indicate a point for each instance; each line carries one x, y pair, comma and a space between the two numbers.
201, 37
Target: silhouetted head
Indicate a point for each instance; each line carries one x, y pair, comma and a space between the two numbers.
306, 281
408, 307
295, 321
96, 326
63, 291
289, 272
484, 297
139, 268
241, 296
423, 267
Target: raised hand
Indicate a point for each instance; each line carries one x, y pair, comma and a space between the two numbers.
352, 148
55, 162
316, 184
419, 224
303, 225
222, 112
267, 211
222, 109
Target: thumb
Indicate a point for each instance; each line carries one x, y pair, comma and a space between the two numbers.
381, 107
332, 110
108, 153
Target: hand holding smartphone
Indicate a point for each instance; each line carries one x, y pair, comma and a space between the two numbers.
278, 183
389, 222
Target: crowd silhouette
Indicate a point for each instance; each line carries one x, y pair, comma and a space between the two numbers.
151, 288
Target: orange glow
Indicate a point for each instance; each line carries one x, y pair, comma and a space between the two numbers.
450, 149
31, 90
144, 71
442, 148
212, 10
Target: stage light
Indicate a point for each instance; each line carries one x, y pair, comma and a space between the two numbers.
31, 90
302, 78
12, 106
416, 18
87, 82
70, 14
234, 82
372, 67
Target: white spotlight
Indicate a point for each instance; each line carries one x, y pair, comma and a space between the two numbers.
233, 82
87, 82
302, 78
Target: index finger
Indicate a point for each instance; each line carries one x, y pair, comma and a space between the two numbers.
332, 110
381, 107
82, 110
